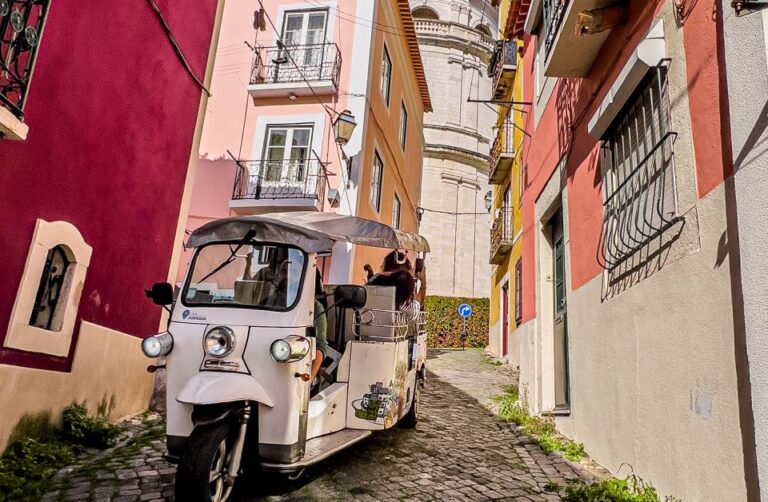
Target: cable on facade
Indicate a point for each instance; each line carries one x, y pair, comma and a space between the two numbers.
176, 48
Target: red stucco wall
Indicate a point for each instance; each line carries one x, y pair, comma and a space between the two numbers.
112, 114
562, 130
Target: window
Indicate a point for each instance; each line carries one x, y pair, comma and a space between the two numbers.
46, 312
257, 275
386, 76
396, 212
425, 13
403, 125
286, 153
304, 37
638, 174
519, 291
376, 174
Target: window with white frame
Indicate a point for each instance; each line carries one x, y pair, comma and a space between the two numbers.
376, 176
638, 174
396, 212
45, 309
403, 131
286, 153
386, 76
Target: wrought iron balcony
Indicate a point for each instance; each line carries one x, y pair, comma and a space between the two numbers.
575, 31
502, 154
286, 184
502, 68
21, 27
281, 71
502, 236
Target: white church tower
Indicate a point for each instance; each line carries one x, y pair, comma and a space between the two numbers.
456, 38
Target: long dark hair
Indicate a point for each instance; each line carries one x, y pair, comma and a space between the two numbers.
395, 261
404, 283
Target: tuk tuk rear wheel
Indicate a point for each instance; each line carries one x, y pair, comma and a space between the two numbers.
411, 418
201, 475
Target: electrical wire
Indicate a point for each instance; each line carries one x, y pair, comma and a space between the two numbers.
175, 45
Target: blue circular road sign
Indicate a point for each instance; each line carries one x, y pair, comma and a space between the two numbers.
465, 310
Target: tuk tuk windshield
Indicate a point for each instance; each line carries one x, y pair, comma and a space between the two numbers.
255, 275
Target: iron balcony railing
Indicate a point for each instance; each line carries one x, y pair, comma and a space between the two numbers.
279, 179
503, 144
501, 233
21, 26
504, 58
296, 63
554, 10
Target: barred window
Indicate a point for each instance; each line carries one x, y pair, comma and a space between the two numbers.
638, 175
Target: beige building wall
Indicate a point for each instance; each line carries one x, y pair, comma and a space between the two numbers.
108, 368
458, 135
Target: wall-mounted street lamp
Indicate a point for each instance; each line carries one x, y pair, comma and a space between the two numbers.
343, 127
419, 213
488, 201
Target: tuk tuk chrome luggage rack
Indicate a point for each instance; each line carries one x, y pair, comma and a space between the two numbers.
376, 321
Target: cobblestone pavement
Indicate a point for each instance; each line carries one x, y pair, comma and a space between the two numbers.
458, 451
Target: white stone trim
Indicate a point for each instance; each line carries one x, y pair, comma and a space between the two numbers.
648, 53
20, 334
11, 127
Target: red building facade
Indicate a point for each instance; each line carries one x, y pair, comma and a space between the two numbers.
98, 172
628, 333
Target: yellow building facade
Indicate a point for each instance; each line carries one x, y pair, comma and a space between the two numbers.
506, 195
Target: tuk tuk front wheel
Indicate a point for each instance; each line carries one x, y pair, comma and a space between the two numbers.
411, 418
202, 472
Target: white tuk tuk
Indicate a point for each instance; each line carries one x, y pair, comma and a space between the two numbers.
240, 343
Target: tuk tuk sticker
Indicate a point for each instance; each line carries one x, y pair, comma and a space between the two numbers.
383, 405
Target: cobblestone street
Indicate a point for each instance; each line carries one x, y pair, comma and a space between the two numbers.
459, 451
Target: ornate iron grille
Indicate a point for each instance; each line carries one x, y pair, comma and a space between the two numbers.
21, 28
279, 179
295, 63
553, 17
639, 181
50, 288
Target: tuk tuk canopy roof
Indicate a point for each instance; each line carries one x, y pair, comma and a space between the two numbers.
311, 231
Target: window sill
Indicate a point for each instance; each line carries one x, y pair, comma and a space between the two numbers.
11, 127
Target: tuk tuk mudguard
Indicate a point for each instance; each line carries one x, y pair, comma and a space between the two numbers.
220, 387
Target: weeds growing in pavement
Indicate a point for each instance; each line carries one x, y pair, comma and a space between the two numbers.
631, 489
29, 464
542, 430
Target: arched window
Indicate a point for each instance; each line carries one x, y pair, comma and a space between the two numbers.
425, 13
485, 30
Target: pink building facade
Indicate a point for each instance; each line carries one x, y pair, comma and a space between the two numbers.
281, 80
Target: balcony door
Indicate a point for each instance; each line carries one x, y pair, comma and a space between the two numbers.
304, 37
286, 162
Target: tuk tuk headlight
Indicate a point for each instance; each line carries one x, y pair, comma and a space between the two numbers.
157, 345
289, 349
219, 342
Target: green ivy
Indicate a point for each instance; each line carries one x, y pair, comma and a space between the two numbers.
445, 325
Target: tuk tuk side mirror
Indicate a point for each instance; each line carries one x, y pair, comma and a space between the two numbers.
161, 293
350, 297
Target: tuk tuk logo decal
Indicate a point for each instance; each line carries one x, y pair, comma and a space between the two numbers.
192, 316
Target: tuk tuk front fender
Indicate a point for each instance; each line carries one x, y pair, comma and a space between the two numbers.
209, 387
